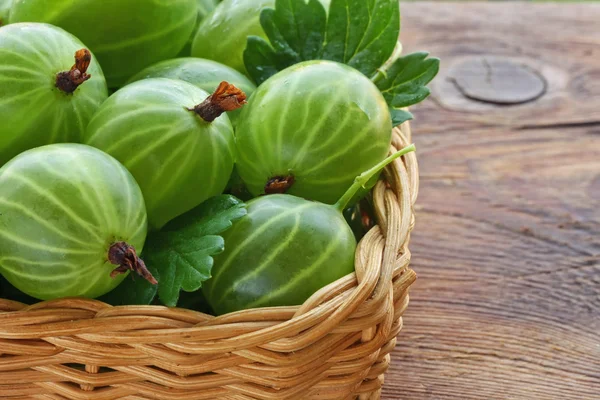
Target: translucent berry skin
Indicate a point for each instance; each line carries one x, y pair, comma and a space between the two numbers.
320, 122
125, 35
279, 254
5, 6
205, 74
61, 208
285, 249
223, 34
177, 158
33, 111
205, 7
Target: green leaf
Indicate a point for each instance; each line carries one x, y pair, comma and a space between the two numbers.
403, 83
134, 290
362, 33
400, 116
296, 31
182, 252
295, 28
260, 59
212, 217
184, 263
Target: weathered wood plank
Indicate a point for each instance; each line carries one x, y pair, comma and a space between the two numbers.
507, 243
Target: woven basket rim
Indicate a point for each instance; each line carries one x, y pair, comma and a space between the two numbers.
352, 323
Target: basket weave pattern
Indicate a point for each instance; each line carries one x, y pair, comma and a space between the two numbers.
334, 346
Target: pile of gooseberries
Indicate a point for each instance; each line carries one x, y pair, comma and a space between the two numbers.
110, 130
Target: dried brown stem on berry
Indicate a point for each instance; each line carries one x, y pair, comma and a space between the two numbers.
279, 184
124, 255
226, 98
69, 81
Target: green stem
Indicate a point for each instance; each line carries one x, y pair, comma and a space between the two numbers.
380, 74
363, 178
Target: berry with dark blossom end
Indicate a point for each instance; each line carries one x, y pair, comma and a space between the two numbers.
175, 139
72, 223
285, 249
310, 129
205, 74
126, 35
50, 86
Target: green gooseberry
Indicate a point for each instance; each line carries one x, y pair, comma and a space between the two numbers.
205, 74
205, 7
284, 250
125, 35
5, 6
222, 35
310, 129
69, 215
44, 98
169, 134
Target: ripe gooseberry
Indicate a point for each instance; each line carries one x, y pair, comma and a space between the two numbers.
284, 250
69, 215
5, 11
169, 134
44, 98
205, 7
125, 35
222, 35
205, 74
310, 129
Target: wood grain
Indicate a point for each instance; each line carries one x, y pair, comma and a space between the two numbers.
507, 243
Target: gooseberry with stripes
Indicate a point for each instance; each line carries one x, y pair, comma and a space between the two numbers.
285, 249
205, 7
71, 221
125, 35
5, 11
205, 74
310, 130
223, 33
50, 86
172, 137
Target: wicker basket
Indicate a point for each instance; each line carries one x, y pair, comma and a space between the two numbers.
334, 346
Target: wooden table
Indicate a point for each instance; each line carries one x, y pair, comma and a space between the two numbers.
507, 242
